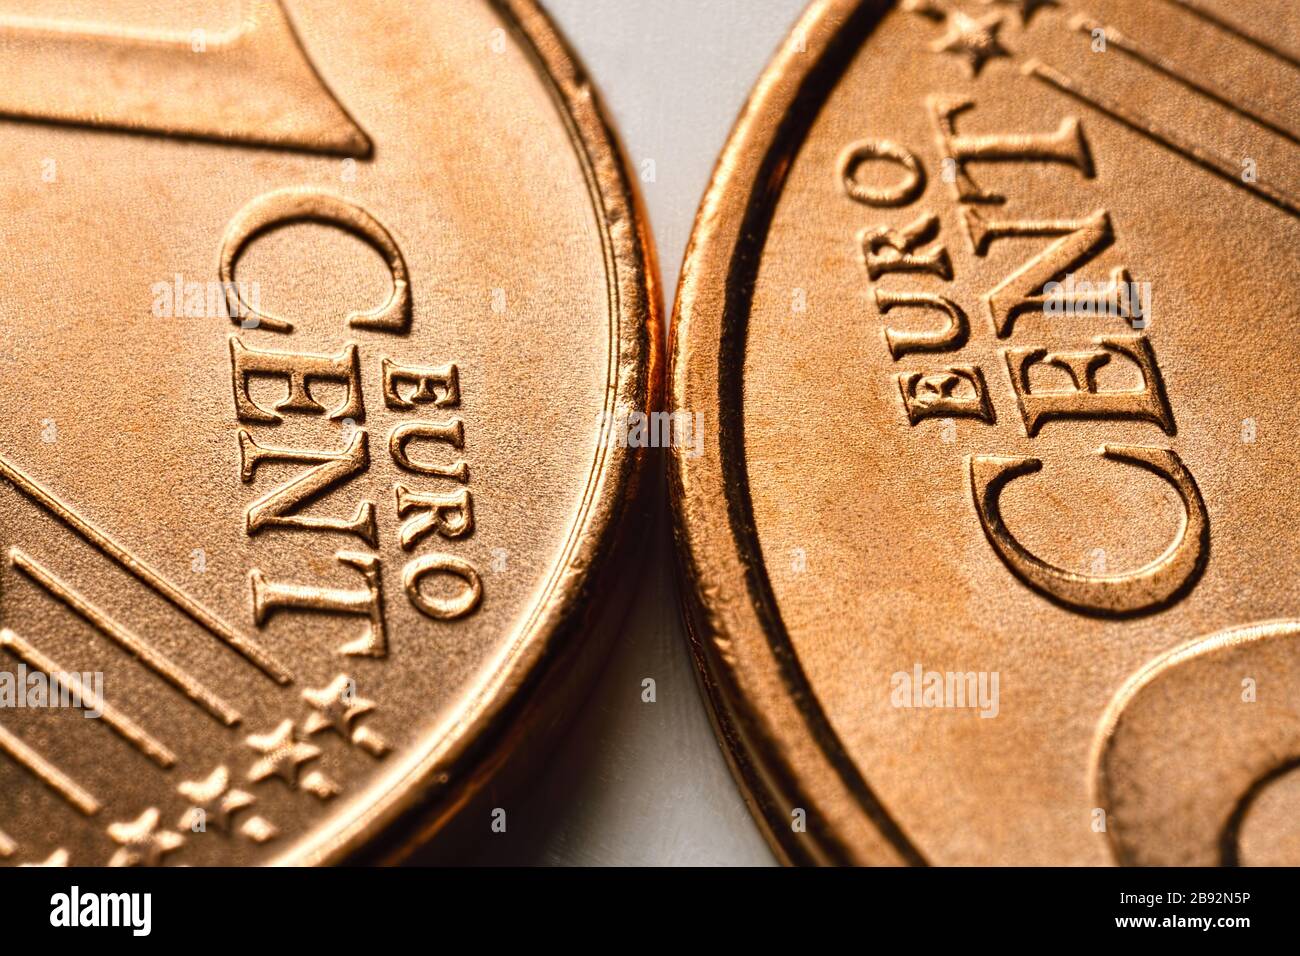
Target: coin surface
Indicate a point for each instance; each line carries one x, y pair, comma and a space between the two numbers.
313, 315
992, 552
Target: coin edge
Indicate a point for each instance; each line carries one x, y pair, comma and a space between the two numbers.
451, 772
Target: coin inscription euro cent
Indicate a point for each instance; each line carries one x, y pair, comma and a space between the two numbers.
990, 306
311, 313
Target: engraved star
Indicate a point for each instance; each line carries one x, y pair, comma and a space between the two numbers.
282, 755
143, 844
337, 706
977, 40
1027, 8
213, 801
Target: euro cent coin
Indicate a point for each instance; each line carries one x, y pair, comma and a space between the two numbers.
992, 552
317, 322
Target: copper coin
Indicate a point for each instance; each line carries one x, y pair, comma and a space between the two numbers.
312, 312
990, 315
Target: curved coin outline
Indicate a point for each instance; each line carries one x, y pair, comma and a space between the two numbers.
447, 766
723, 575
792, 759
1105, 742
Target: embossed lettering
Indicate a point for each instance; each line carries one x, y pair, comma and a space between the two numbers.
951, 336
279, 508
299, 370
1066, 145
954, 392
443, 608
451, 433
892, 250
268, 598
450, 515
907, 189
1143, 589
1024, 290
288, 206
1083, 399
439, 387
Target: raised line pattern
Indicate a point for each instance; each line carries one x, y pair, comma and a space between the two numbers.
1214, 20
124, 726
1208, 159
147, 575
1169, 68
190, 686
47, 773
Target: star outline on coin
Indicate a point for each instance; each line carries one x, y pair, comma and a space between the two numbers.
282, 754
336, 707
141, 842
976, 39
212, 800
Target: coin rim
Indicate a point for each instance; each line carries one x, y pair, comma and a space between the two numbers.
780, 744
442, 775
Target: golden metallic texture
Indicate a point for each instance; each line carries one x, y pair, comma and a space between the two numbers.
991, 312
314, 318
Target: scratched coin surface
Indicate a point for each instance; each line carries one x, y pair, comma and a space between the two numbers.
312, 313
991, 315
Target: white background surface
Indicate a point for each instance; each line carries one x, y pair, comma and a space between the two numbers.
632, 782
